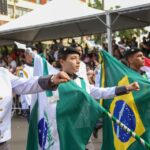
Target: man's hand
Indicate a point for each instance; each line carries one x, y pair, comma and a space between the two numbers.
60, 77
133, 87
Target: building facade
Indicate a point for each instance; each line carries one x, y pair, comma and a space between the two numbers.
39, 1
12, 9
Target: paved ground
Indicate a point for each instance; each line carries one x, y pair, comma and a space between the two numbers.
19, 135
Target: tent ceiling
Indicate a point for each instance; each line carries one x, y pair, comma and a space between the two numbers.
68, 29
132, 17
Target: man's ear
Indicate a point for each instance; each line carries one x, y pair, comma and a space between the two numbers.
61, 61
129, 60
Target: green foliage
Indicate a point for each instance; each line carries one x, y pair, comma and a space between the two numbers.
97, 5
128, 34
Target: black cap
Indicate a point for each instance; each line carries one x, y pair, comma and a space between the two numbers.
65, 51
129, 51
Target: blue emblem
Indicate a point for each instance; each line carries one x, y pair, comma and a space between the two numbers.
124, 114
42, 132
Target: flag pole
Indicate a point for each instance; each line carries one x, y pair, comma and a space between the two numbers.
125, 128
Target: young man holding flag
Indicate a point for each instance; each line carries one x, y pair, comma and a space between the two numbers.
69, 60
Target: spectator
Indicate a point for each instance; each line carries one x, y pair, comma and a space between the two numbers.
86, 49
133, 43
11, 64
144, 46
91, 77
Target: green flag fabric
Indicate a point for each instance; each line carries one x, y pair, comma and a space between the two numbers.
132, 109
77, 114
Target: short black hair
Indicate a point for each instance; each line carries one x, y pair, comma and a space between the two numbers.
130, 51
65, 51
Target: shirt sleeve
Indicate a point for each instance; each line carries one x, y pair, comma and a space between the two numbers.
24, 86
104, 93
107, 93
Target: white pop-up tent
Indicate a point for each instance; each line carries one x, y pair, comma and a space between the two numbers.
56, 19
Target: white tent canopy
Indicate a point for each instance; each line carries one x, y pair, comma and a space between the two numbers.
56, 19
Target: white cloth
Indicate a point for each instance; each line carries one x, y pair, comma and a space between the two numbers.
10, 83
20, 45
46, 105
147, 71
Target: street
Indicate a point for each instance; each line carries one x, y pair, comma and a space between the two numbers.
19, 134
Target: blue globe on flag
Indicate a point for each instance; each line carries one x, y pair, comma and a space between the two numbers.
42, 132
124, 114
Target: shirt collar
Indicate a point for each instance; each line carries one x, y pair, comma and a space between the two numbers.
72, 76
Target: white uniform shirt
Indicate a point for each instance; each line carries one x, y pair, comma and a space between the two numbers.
8, 84
26, 72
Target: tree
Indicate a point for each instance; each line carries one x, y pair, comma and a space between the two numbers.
97, 5
128, 34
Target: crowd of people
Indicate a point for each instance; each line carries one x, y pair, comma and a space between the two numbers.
16, 59
118, 48
20, 63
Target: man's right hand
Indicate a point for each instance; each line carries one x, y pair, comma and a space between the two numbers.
60, 77
133, 87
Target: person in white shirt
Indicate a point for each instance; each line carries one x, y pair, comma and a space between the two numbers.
26, 71
11, 83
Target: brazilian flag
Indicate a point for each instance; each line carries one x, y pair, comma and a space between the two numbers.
131, 109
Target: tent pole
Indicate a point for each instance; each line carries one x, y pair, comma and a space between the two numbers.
109, 32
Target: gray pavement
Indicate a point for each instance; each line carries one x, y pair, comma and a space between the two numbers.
19, 135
